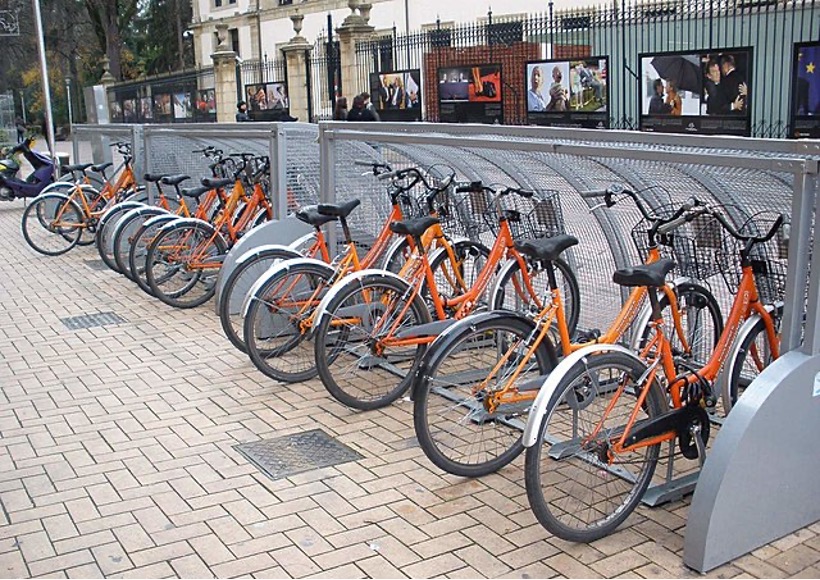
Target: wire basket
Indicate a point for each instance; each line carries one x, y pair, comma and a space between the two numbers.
693, 246
768, 260
465, 211
539, 216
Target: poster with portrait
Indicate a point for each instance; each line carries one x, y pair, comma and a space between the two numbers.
162, 107
115, 110
397, 95
205, 105
268, 101
707, 92
470, 94
129, 111
183, 108
146, 109
805, 110
568, 93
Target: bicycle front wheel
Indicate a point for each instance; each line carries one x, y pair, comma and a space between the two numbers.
359, 356
277, 327
182, 264
124, 236
579, 486
52, 224
754, 355
469, 410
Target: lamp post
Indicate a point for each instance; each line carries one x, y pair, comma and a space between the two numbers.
23, 105
41, 46
68, 103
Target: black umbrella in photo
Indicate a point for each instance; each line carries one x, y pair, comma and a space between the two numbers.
683, 70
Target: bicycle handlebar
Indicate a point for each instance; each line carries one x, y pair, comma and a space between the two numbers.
744, 238
684, 215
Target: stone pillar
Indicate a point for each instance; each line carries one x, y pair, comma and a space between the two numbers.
354, 28
296, 52
225, 83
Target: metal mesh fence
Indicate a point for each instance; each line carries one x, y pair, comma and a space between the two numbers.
604, 233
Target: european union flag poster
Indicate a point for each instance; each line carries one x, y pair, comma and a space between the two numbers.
806, 91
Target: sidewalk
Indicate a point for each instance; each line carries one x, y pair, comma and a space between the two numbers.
117, 458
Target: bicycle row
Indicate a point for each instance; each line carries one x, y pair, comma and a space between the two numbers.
468, 301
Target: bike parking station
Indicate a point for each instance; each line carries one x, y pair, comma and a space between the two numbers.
747, 464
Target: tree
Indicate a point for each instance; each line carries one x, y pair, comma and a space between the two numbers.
110, 18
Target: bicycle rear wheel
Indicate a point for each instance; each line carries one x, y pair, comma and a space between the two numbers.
277, 327
104, 237
238, 284
356, 360
579, 487
457, 425
139, 248
52, 224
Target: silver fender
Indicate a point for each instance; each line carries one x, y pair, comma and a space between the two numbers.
67, 186
547, 390
725, 377
321, 309
259, 249
273, 271
127, 216
157, 219
126, 205
392, 249
194, 221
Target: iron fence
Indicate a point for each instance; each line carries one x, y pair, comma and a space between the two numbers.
324, 78
257, 72
620, 30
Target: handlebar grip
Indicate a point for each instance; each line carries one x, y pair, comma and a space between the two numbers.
388, 175
475, 187
679, 221
594, 193
364, 163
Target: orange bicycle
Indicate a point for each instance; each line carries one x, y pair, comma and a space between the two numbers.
372, 330
594, 433
473, 393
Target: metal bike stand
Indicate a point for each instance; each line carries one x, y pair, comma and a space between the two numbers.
759, 482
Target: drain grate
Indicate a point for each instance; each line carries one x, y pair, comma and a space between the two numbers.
292, 454
96, 265
92, 320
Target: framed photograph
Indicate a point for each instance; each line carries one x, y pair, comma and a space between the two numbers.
805, 109
568, 93
470, 94
397, 94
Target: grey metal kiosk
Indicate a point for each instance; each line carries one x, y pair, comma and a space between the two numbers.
760, 482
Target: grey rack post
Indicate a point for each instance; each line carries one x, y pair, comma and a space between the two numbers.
760, 481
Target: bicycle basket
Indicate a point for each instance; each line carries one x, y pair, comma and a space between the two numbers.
692, 246
467, 211
537, 217
768, 260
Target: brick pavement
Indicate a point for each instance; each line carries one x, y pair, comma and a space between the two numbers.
117, 459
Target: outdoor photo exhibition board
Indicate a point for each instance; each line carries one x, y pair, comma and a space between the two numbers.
805, 120
267, 101
568, 93
397, 95
470, 94
162, 104
707, 92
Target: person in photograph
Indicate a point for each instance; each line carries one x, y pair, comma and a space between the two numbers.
398, 97
384, 92
657, 105
673, 99
412, 89
277, 99
734, 85
716, 101
128, 111
588, 80
260, 97
535, 96
559, 95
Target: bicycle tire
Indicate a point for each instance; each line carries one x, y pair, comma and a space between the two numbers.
590, 516
276, 340
703, 330
124, 235
38, 224
453, 425
509, 291
470, 259
104, 238
247, 271
189, 236
139, 249
754, 355
382, 380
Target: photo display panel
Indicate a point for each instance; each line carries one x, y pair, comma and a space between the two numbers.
568, 93
470, 94
805, 121
397, 95
707, 92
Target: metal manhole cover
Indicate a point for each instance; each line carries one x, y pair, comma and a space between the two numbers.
292, 454
92, 320
96, 265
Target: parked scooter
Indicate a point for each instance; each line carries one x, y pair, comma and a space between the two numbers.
12, 187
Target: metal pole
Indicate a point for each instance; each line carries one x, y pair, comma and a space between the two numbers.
41, 46
68, 102
406, 19
23, 105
